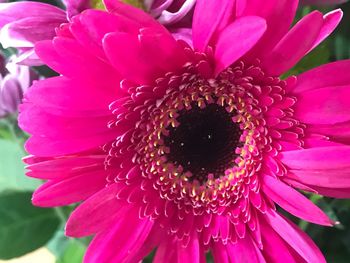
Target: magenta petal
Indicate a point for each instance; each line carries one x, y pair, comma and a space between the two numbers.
297, 239
191, 253
333, 192
124, 238
166, 252
245, 250
317, 158
332, 74
62, 167
68, 57
288, 51
207, 17
219, 253
279, 15
96, 213
332, 178
294, 202
328, 105
70, 190
227, 53
331, 21
143, 58
275, 249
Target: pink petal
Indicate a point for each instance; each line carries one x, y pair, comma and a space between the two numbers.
69, 58
166, 252
219, 252
245, 250
275, 249
297, 239
331, 21
96, 212
332, 74
317, 158
279, 15
333, 192
206, 19
46, 147
332, 178
191, 253
143, 59
70, 190
288, 51
62, 167
226, 53
92, 25
294, 202
56, 96
125, 236
324, 106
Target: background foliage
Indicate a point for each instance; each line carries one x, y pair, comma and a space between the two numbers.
25, 228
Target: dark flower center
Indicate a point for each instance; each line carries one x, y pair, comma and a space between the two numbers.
204, 142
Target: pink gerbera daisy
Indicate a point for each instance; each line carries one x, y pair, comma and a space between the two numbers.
184, 148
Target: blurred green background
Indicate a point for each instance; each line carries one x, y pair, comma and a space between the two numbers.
24, 228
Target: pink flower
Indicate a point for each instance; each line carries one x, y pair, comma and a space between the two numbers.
22, 24
183, 149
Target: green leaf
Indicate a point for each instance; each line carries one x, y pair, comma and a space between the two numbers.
12, 175
23, 227
74, 253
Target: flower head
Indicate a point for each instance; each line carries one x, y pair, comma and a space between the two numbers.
189, 148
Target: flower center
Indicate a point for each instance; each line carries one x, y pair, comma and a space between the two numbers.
204, 142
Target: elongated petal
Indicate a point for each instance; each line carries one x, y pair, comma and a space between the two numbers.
207, 17
318, 158
294, 202
245, 250
288, 51
125, 236
279, 15
330, 22
332, 74
96, 213
324, 106
140, 59
70, 190
191, 253
297, 239
274, 243
332, 178
226, 52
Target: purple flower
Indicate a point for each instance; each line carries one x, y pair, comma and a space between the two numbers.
25, 23
170, 12
15, 80
22, 24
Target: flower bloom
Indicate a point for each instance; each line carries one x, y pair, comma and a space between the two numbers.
15, 80
189, 149
22, 24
